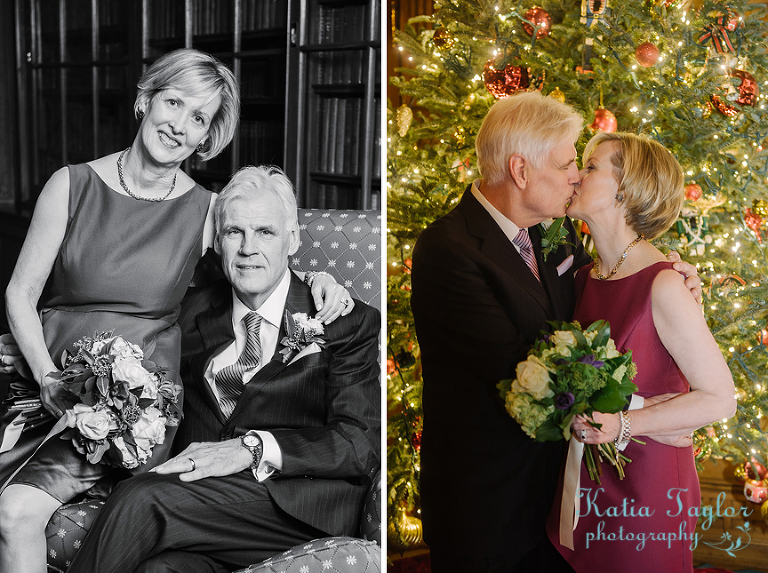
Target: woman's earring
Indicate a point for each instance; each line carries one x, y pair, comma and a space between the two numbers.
200, 147
140, 114
619, 198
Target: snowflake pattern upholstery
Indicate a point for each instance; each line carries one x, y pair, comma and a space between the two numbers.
346, 244
326, 555
66, 531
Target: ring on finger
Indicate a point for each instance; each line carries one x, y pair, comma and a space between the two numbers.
583, 435
191, 461
345, 302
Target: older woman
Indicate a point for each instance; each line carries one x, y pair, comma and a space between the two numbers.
631, 191
117, 240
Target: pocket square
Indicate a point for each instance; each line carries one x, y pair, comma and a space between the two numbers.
565, 265
311, 349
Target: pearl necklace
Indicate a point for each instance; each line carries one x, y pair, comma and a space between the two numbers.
621, 259
130, 193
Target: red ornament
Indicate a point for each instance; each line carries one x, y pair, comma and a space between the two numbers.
753, 221
407, 264
540, 18
604, 121
748, 88
416, 440
647, 54
723, 107
506, 82
755, 470
763, 337
756, 491
693, 192
391, 367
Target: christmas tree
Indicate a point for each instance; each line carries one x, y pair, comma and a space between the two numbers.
688, 74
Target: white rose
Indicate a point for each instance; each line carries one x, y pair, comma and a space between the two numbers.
149, 430
533, 377
91, 423
610, 349
563, 340
121, 348
130, 370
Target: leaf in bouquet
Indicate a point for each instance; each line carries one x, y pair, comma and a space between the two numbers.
96, 450
549, 431
145, 403
580, 339
603, 329
505, 386
87, 356
608, 400
102, 383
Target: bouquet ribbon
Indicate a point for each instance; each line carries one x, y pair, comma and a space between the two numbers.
569, 504
12, 433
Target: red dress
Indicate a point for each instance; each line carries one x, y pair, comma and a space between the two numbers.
647, 521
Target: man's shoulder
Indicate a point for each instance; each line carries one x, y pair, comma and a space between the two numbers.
198, 299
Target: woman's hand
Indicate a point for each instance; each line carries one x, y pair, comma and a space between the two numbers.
331, 299
584, 431
52, 395
11, 359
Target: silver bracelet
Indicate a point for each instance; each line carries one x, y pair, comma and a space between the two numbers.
310, 276
625, 433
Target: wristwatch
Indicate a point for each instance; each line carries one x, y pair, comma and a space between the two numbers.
252, 442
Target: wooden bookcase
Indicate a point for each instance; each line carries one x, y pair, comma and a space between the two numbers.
307, 69
334, 88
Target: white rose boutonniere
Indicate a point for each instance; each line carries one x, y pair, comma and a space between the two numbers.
302, 331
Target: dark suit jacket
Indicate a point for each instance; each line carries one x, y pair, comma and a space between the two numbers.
486, 487
324, 410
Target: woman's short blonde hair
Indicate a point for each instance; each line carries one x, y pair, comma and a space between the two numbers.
198, 74
650, 181
528, 124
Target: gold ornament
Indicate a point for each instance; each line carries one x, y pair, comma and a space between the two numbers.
404, 531
443, 39
760, 207
740, 474
558, 95
764, 511
709, 202
404, 117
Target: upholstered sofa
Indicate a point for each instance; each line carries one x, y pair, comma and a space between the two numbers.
346, 244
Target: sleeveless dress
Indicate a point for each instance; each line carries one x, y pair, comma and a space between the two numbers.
123, 266
646, 521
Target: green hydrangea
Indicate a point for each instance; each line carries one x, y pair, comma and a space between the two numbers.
523, 408
582, 378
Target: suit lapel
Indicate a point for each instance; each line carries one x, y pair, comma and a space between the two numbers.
496, 246
547, 272
216, 331
298, 300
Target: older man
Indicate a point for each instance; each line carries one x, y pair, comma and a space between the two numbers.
280, 437
482, 292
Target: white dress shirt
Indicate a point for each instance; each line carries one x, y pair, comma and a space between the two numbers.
271, 312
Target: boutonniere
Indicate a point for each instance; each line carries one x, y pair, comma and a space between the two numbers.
553, 235
302, 331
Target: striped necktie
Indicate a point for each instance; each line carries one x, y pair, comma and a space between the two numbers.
229, 380
523, 241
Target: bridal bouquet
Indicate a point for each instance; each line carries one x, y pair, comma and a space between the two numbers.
124, 402
568, 372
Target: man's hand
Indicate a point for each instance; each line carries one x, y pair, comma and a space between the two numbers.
691, 273
208, 459
11, 359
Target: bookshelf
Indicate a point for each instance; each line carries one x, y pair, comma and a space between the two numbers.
335, 59
307, 69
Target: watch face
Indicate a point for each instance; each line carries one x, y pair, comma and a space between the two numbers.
251, 440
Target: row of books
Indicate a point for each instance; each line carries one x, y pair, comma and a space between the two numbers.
348, 67
215, 16
338, 135
78, 14
261, 142
328, 196
337, 24
258, 78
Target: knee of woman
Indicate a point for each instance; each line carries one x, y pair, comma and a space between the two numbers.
23, 507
